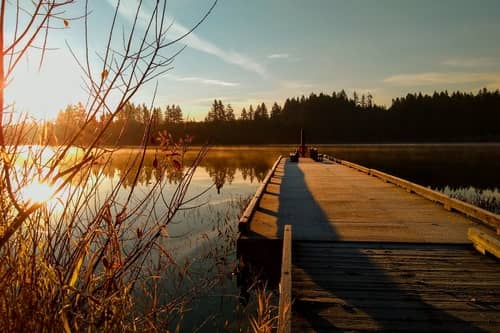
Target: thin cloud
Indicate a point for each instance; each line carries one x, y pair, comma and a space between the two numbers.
470, 62
203, 80
433, 78
283, 56
231, 57
195, 42
279, 56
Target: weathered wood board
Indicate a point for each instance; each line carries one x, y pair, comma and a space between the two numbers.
401, 288
372, 256
329, 201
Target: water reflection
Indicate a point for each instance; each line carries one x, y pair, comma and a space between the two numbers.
200, 241
445, 167
222, 167
223, 170
198, 237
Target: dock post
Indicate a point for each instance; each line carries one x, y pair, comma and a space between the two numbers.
285, 302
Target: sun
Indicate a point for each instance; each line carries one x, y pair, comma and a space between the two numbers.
37, 192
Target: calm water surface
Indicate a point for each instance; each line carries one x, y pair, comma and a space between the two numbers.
204, 235
434, 165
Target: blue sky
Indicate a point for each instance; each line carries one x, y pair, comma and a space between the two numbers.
247, 52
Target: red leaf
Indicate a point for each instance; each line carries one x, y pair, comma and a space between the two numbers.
177, 164
104, 74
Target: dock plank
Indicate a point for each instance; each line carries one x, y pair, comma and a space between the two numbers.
369, 255
429, 292
328, 201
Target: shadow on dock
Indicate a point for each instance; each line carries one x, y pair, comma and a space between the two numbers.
345, 286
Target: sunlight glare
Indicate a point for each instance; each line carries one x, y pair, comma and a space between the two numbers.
36, 192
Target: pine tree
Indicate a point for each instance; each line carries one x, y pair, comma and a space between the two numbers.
250, 113
244, 115
212, 113
145, 114
257, 115
275, 111
264, 112
177, 116
355, 98
166, 115
157, 117
369, 100
230, 113
220, 111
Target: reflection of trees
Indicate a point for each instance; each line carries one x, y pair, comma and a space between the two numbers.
221, 165
220, 174
148, 174
253, 173
124, 166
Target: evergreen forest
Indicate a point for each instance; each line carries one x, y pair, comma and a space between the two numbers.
334, 118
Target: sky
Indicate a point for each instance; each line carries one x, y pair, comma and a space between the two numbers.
248, 52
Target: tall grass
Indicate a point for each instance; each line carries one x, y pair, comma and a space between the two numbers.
78, 256
84, 254
70, 265
488, 199
265, 318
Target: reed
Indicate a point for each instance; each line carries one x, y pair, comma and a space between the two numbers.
488, 199
81, 252
265, 318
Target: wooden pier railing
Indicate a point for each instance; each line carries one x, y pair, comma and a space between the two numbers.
371, 257
490, 219
252, 205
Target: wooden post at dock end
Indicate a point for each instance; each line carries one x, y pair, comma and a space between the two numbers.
285, 302
302, 147
484, 241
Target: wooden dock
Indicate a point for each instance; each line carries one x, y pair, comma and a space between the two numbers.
372, 252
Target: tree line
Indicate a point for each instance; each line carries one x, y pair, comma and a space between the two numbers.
325, 118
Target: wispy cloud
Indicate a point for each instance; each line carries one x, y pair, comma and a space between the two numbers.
127, 10
290, 84
279, 56
231, 57
283, 56
470, 62
202, 80
433, 78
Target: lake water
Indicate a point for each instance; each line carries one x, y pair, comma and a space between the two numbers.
435, 165
201, 237
204, 236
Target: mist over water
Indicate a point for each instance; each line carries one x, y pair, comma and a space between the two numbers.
434, 165
232, 175
204, 234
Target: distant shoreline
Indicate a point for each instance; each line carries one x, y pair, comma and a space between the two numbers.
319, 145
